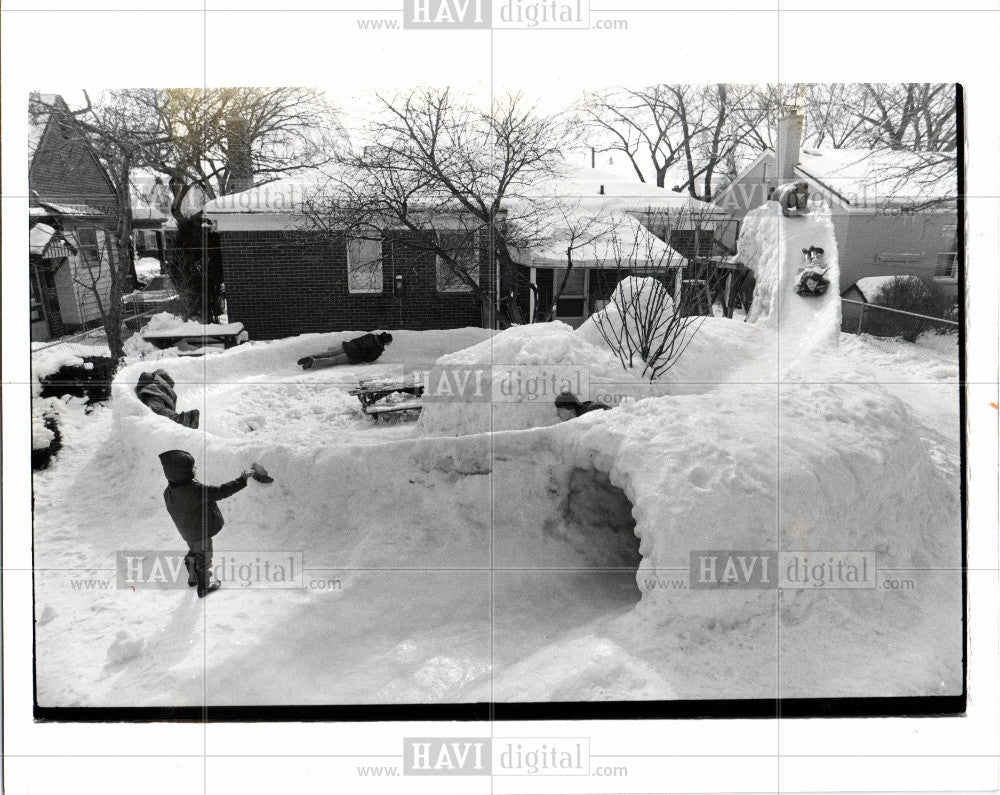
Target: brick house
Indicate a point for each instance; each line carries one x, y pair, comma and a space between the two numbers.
72, 213
283, 280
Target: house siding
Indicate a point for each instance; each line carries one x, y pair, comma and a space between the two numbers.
867, 241
65, 170
279, 284
864, 237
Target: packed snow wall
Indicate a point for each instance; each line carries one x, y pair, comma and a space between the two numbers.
510, 381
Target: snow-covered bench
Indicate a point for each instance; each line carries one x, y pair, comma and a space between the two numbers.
380, 397
198, 335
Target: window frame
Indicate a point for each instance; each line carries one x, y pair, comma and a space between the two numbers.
378, 286
439, 264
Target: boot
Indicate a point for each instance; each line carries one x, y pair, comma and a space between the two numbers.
212, 586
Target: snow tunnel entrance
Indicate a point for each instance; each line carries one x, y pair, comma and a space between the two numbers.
599, 514
568, 574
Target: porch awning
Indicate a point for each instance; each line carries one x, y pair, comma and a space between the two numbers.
46, 242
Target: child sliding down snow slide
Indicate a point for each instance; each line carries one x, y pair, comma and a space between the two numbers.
360, 350
812, 279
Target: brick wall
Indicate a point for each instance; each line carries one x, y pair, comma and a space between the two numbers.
279, 284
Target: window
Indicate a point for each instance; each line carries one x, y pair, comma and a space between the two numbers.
364, 265
86, 237
947, 261
462, 248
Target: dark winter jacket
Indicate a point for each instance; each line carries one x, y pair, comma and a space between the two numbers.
156, 390
191, 504
364, 349
570, 401
157, 386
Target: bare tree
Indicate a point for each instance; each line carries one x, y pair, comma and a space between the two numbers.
644, 322
107, 260
692, 131
209, 142
455, 177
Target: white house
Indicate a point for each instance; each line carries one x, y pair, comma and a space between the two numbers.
894, 212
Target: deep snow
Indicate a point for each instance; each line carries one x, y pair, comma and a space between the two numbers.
472, 565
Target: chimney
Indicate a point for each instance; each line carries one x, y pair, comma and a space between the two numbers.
786, 149
240, 161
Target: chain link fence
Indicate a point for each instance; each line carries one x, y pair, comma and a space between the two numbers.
860, 317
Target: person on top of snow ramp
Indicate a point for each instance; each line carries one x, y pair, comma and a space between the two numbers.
812, 278
360, 350
194, 509
569, 407
793, 198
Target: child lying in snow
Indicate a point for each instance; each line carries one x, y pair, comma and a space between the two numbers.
360, 350
569, 407
156, 390
195, 512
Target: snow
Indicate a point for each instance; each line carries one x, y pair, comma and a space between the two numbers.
605, 239
147, 267
771, 246
871, 286
164, 323
639, 310
523, 369
447, 560
874, 177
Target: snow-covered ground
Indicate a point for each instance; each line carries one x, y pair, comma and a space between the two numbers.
503, 555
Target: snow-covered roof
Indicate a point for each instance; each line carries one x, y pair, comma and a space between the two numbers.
615, 239
875, 177
868, 178
150, 197
612, 188
617, 166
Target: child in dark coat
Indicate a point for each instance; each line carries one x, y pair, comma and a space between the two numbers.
156, 390
360, 350
569, 407
193, 508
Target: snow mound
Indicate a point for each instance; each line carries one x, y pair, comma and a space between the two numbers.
639, 310
510, 381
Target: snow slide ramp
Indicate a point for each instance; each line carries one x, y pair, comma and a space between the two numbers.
771, 245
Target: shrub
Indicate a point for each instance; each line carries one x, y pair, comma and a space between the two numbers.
46, 440
908, 294
90, 380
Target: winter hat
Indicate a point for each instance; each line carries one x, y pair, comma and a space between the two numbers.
178, 466
567, 400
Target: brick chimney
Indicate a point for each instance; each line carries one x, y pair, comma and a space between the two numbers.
786, 149
240, 161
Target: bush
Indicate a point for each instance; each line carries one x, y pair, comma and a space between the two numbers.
90, 380
48, 439
908, 294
